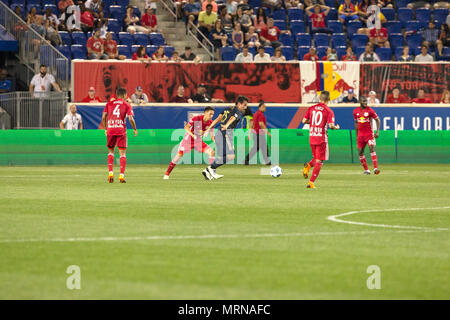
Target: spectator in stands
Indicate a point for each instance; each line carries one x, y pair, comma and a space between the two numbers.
159, 55
237, 37
206, 22
396, 97
212, 3
63, 4
444, 38
18, 11
331, 55
445, 97
273, 5
424, 56
349, 56
181, 97
141, 55
201, 96
231, 7
179, 4
42, 83
379, 37
348, 12
370, 13
278, 56
91, 97
350, 97
373, 98
219, 37
405, 57
269, 35
294, 4
317, 18
175, 57
311, 55
243, 19
95, 47
5, 84
188, 55
191, 12
252, 38
262, 56
421, 97
149, 21
51, 18
86, 19
131, 22
309, 3
33, 17
368, 55
245, 55
385, 3
245, 6
227, 20
72, 120
430, 35
95, 7
139, 97
111, 48
260, 20
51, 33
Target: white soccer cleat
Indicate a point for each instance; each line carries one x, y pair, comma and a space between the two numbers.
166, 177
206, 174
366, 172
213, 173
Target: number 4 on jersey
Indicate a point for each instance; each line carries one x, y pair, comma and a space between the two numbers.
116, 111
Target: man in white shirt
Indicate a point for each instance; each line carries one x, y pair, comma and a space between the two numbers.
424, 56
72, 120
139, 96
42, 83
373, 98
262, 56
244, 56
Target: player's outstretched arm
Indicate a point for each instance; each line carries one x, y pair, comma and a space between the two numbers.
378, 121
230, 121
133, 124
213, 124
334, 126
104, 117
187, 127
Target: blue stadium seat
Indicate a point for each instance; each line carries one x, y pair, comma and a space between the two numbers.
384, 53
352, 27
126, 39
78, 51
301, 51
115, 37
114, 25
358, 51
412, 26
359, 40
21, 6
22, 2
440, 14
116, 12
123, 3
330, 3
134, 48
53, 7
36, 2
333, 14
228, 53
44, 2
321, 40
414, 40
423, 15
393, 27
396, 40
168, 51
321, 52
303, 39
398, 52
252, 50
269, 50
279, 15
402, 3
295, 14
157, 39
107, 3
335, 26
61, 68
281, 24
65, 50
418, 50
141, 39
136, 12
339, 40
79, 37
288, 52
404, 15
285, 39
124, 50
297, 26
341, 51
151, 50
388, 13
65, 37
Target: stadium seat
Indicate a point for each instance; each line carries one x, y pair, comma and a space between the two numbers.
288, 52
168, 51
151, 50
65, 50
285, 39
352, 27
303, 39
440, 14
44, 2
53, 7
332, 15
107, 3
412, 26
384, 53
402, 3
116, 12
335, 26
61, 68
78, 51
269, 50
114, 25
252, 50
301, 51
297, 26
358, 51
124, 50
341, 51
123, 3
330, 3
281, 24
359, 40
115, 37
398, 52
321, 40
418, 50
423, 15
21, 2
141, 39
126, 39
65, 37
404, 15
279, 15
228, 53
393, 27
339, 40
414, 40
136, 12
295, 14
388, 13
79, 37
135, 47
45, 54
321, 51
396, 40
156, 39
35, 2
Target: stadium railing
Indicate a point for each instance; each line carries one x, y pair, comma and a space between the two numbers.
29, 112
35, 50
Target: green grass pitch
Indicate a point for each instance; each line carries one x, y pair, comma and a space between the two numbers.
246, 236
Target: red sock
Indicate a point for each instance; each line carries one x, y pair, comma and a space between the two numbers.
316, 171
374, 160
110, 161
170, 168
311, 163
123, 164
364, 162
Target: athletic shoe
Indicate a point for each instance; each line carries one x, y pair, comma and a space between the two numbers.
111, 177
166, 177
122, 179
213, 173
206, 174
367, 172
306, 168
311, 185
376, 171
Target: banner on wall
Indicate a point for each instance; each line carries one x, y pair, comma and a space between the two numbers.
383, 78
272, 82
335, 77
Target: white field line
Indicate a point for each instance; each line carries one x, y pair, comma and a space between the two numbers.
335, 218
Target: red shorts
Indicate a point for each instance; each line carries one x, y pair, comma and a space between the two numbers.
120, 141
361, 141
320, 151
186, 145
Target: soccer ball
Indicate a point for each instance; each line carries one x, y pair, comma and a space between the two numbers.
275, 171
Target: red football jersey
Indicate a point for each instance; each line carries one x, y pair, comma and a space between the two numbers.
364, 118
257, 118
198, 126
117, 110
318, 20
319, 116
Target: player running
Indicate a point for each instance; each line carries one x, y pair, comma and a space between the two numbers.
193, 139
114, 120
229, 119
363, 117
318, 116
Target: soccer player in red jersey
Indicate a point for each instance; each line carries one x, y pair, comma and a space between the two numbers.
114, 121
318, 117
363, 117
193, 139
